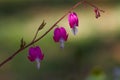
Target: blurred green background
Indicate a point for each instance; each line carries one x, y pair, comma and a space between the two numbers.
96, 44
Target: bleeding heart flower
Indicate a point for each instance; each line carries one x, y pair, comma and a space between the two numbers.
73, 22
60, 35
97, 12
35, 54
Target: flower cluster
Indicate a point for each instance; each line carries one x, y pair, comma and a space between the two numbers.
60, 35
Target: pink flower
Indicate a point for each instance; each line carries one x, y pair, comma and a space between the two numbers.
35, 54
97, 12
73, 22
60, 35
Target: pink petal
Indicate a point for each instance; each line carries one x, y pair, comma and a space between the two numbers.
31, 59
73, 19
64, 34
56, 35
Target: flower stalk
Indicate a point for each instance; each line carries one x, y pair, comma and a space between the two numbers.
35, 39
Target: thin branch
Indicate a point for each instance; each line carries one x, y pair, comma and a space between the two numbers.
93, 6
35, 35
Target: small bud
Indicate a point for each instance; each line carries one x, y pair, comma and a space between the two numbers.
23, 43
42, 25
97, 12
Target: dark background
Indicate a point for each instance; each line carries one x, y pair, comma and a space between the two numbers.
96, 44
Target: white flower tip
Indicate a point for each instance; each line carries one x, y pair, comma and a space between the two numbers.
62, 46
74, 30
38, 63
61, 43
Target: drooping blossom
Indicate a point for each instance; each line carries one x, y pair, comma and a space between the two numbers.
97, 12
73, 22
35, 54
60, 35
